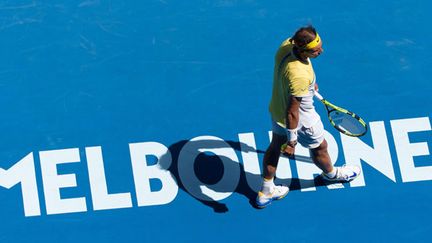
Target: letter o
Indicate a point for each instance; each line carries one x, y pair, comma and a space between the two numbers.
231, 176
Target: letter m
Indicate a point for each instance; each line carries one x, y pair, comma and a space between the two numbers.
23, 172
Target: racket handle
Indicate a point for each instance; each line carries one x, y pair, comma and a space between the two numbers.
318, 96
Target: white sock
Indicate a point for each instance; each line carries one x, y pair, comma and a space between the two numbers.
267, 186
332, 174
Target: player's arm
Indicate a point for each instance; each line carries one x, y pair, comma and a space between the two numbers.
292, 119
299, 87
293, 112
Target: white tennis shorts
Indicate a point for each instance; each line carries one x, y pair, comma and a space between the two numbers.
310, 138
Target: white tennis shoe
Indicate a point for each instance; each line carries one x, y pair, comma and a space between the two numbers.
346, 173
278, 192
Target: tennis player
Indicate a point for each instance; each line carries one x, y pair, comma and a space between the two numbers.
294, 119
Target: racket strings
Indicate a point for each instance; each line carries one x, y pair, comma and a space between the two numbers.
347, 123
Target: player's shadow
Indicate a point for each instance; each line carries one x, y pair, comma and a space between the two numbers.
208, 170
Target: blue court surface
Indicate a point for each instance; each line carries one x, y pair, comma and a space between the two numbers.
146, 121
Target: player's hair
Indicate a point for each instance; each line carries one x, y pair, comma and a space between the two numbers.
304, 35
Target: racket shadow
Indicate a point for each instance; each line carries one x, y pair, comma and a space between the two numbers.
209, 170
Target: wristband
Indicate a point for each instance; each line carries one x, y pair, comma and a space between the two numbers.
291, 134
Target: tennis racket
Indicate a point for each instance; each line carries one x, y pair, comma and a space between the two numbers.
344, 121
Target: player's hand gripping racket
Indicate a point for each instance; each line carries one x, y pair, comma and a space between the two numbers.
343, 120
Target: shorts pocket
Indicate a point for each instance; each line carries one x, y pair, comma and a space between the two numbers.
308, 131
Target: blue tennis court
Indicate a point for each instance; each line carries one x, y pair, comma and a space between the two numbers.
147, 121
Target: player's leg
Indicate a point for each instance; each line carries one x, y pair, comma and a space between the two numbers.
321, 157
269, 191
313, 138
271, 156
